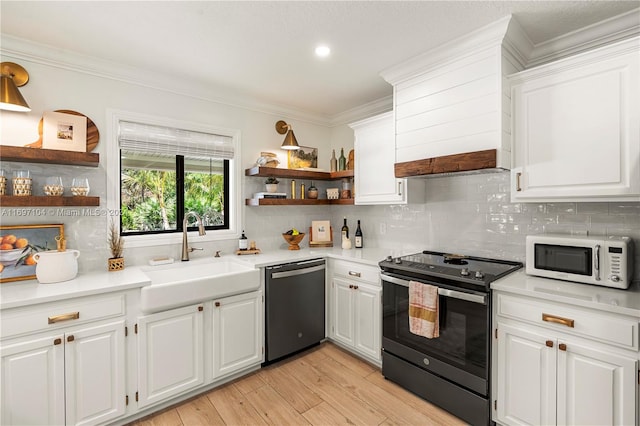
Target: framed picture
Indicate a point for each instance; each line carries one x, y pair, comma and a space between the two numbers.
18, 244
303, 158
321, 231
65, 132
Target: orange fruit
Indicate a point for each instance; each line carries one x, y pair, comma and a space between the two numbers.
9, 239
21, 242
6, 246
29, 260
1, 268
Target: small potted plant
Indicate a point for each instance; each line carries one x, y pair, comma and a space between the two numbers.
116, 246
271, 184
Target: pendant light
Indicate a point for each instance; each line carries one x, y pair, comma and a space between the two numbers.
290, 142
13, 76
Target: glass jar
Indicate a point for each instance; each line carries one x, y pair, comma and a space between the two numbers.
53, 186
80, 187
3, 183
22, 183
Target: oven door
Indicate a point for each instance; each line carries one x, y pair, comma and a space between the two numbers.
461, 353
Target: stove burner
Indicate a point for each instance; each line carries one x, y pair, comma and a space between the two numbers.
455, 261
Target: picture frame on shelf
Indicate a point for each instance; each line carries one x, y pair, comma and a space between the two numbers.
18, 244
303, 158
320, 234
64, 132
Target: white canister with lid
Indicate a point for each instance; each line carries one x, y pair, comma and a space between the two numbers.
55, 266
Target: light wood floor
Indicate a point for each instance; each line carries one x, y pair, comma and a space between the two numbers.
323, 386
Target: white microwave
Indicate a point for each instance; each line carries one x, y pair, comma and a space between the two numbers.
605, 261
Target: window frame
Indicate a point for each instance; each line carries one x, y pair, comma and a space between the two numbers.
113, 181
180, 201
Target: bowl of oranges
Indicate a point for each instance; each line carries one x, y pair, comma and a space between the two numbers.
12, 249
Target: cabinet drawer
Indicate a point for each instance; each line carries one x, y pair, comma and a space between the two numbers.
356, 271
604, 327
51, 316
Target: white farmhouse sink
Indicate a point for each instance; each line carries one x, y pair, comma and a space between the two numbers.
180, 284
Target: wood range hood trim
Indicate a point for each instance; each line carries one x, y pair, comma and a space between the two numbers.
468, 162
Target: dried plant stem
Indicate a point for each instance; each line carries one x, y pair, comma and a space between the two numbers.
116, 242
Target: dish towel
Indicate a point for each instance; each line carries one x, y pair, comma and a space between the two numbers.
423, 310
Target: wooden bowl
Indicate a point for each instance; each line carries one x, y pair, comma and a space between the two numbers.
293, 240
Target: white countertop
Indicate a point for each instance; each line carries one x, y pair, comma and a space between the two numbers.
368, 256
23, 293
595, 297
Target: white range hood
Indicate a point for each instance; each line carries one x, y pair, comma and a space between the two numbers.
452, 104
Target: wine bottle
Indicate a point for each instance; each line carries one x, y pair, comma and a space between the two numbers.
345, 229
342, 162
333, 161
243, 243
358, 236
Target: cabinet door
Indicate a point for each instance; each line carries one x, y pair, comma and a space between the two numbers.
95, 373
170, 353
595, 387
367, 320
576, 132
33, 381
526, 377
374, 174
342, 318
237, 333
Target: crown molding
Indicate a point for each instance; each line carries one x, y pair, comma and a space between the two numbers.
505, 31
26, 50
367, 110
601, 33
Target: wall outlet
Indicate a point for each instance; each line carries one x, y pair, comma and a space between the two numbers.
383, 228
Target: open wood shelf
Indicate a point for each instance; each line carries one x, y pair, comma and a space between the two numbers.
295, 202
47, 201
50, 156
296, 174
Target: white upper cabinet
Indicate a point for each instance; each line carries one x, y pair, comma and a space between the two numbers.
576, 127
375, 153
454, 100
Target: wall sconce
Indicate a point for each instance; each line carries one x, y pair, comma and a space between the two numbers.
290, 141
13, 76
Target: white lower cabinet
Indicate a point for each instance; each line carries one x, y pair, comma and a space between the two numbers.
183, 349
546, 376
170, 353
69, 374
355, 309
237, 336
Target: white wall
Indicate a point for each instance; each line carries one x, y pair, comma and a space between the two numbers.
52, 87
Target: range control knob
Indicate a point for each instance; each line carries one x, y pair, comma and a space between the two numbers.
464, 272
614, 278
479, 274
397, 260
389, 258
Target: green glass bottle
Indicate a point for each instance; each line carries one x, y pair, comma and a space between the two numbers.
342, 162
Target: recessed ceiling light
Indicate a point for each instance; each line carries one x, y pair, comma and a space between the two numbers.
323, 51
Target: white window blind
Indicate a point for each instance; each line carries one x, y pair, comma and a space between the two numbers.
169, 141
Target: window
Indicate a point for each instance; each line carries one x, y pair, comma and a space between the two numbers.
166, 172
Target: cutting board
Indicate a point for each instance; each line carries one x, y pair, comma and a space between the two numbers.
93, 135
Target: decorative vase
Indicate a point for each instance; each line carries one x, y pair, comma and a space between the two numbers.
116, 264
271, 187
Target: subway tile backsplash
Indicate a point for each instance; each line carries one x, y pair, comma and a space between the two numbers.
472, 214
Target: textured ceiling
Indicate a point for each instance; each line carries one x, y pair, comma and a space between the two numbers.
264, 50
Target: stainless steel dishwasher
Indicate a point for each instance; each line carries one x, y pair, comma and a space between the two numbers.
294, 307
